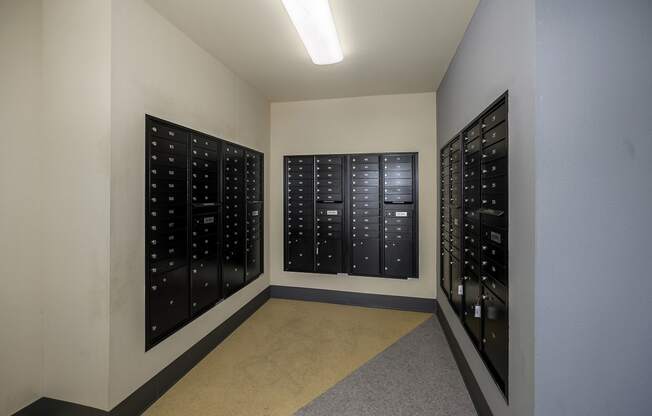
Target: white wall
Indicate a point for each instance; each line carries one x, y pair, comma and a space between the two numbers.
497, 54
388, 123
21, 341
158, 70
74, 241
594, 200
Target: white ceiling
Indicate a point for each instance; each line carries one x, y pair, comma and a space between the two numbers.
390, 46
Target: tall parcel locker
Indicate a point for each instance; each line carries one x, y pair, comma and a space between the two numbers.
234, 218
366, 220
478, 176
205, 218
299, 213
167, 287
400, 215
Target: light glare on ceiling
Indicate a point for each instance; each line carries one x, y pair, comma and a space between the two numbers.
314, 22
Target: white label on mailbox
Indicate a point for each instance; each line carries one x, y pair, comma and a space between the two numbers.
254, 213
401, 213
478, 311
331, 212
495, 237
460, 290
209, 220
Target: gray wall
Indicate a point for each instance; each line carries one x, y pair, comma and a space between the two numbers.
498, 54
594, 200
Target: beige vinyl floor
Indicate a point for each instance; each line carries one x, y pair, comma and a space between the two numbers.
285, 355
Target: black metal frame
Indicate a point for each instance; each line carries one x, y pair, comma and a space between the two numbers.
150, 341
502, 100
346, 215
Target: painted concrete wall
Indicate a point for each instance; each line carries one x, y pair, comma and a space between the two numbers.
498, 54
594, 199
388, 123
74, 241
21, 353
158, 70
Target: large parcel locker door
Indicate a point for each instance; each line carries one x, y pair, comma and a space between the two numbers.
472, 315
365, 257
234, 219
398, 258
495, 335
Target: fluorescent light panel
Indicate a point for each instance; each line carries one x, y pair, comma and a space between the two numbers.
314, 22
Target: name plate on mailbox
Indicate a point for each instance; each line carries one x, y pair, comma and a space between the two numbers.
331, 212
254, 213
209, 220
401, 213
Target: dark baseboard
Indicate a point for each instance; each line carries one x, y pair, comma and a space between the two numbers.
354, 299
155, 387
479, 401
51, 407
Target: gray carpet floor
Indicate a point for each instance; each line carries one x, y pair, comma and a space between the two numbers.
415, 376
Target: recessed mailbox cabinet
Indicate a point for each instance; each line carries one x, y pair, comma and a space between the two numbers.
203, 215
474, 233
353, 214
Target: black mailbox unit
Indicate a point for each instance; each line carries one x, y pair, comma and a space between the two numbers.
473, 235
354, 214
203, 219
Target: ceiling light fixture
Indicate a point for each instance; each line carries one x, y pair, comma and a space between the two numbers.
314, 22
